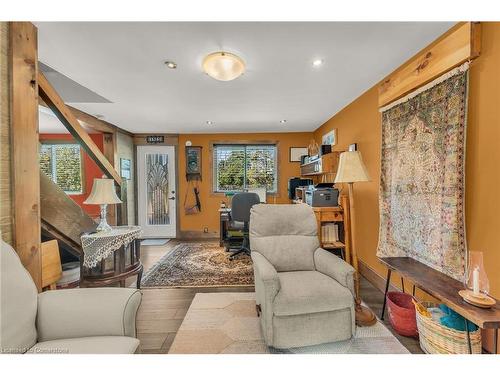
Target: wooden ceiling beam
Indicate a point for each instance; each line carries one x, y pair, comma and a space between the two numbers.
96, 123
460, 44
66, 116
92, 123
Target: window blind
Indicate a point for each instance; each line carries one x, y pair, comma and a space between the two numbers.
63, 164
239, 167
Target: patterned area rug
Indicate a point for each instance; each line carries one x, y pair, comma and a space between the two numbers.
226, 323
199, 264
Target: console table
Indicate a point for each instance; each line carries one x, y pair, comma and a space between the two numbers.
445, 289
111, 257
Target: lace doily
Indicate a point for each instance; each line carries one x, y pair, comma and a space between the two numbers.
100, 245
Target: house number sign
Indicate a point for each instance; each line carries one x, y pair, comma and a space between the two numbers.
155, 139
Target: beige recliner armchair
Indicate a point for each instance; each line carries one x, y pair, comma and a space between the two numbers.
98, 320
305, 294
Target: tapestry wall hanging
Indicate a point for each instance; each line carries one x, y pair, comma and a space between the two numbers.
422, 175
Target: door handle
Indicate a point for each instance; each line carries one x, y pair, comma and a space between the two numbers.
172, 198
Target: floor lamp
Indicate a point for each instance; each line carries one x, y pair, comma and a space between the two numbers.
352, 169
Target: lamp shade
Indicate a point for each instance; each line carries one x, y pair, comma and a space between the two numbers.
103, 192
351, 168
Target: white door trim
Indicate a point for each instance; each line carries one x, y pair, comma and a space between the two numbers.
159, 230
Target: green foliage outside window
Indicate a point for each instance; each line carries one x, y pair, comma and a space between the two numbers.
238, 167
63, 164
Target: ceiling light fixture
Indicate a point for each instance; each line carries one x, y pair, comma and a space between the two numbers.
171, 65
282, 121
223, 66
210, 122
317, 62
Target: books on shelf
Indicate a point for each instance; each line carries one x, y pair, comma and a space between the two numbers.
329, 232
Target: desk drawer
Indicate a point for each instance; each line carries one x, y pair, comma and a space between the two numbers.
331, 216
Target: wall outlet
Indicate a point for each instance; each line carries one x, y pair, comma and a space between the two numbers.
205, 230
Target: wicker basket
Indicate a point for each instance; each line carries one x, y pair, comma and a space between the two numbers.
438, 339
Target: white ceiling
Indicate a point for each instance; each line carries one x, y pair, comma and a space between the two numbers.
124, 63
48, 123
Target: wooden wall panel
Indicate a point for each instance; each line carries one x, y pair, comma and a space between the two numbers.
24, 135
460, 44
6, 221
125, 150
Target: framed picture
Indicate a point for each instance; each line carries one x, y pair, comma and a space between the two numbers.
193, 162
330, 138
125, 168
353, 147
296, 153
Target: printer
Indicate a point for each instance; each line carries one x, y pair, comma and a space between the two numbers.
322, 195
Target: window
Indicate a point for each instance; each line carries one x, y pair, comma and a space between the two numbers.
63, 164
240, 167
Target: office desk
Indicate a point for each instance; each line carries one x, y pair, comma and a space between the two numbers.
224, 219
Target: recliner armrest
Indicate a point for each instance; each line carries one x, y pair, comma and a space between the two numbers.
266, 272
331, 265
267, 286
73, 313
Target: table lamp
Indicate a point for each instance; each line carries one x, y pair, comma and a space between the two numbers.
103, 193
352, 169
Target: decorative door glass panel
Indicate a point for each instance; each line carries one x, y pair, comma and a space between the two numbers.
157, 189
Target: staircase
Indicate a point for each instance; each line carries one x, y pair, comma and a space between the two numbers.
61, 218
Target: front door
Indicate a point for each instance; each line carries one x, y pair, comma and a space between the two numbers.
156, 191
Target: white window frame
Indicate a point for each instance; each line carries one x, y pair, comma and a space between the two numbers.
53, 161
215, 182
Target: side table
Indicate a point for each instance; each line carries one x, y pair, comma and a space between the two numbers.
111, 257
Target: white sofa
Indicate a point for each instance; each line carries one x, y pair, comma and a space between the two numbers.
93, 321
305, 293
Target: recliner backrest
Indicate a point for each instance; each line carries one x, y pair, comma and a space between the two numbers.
18, 303
286, 234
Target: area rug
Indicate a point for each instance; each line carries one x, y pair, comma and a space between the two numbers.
227, 323
422, 175
199, 264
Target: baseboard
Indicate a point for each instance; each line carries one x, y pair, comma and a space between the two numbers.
197, 235
373, 277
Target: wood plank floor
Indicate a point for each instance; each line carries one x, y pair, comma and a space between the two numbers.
163, 309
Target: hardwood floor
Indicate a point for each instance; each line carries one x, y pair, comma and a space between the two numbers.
163, 309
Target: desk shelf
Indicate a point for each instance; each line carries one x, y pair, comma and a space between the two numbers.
338, 215
333, 245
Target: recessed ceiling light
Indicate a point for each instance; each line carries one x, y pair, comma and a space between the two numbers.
317, 62
223, 66
210, 122
171, 64
282, 121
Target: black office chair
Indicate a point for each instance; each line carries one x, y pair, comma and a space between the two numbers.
240, 211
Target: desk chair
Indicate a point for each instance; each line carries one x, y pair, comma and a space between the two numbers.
240, 211
261, 192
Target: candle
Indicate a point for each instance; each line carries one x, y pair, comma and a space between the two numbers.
475, 280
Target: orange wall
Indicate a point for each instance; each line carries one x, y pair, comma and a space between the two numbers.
360, 122
90, 171
209, 216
